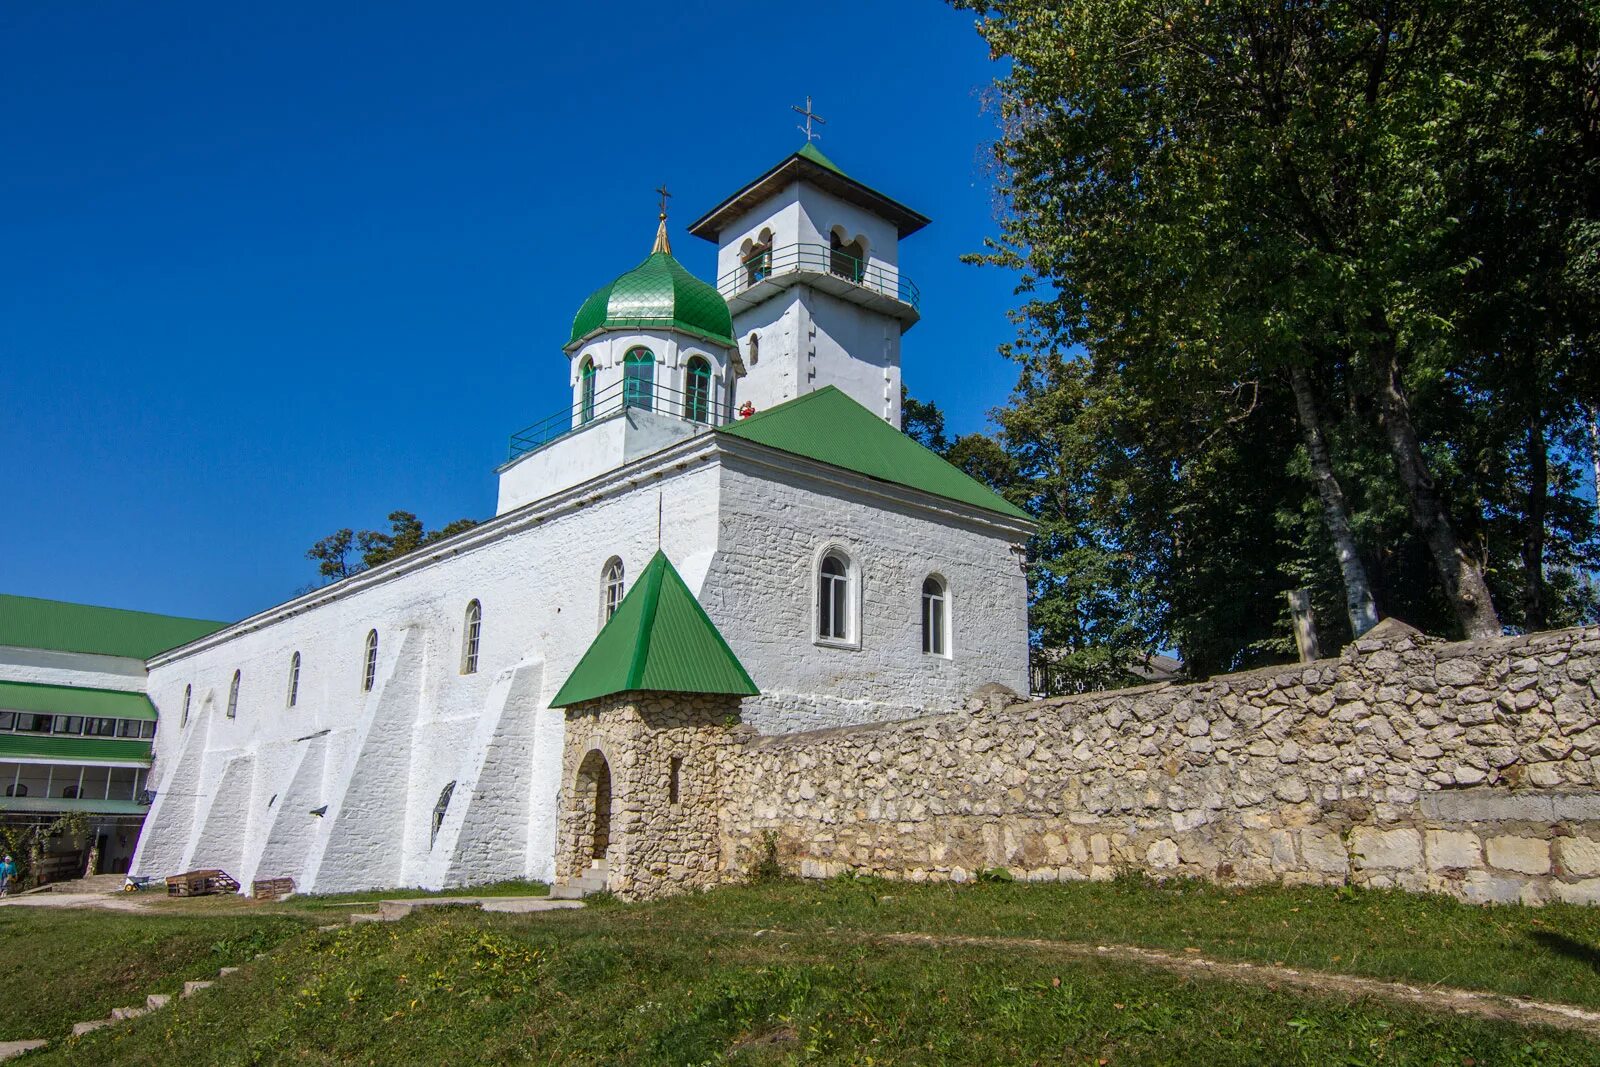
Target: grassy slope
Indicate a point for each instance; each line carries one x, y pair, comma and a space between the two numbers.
64, 966
687, 981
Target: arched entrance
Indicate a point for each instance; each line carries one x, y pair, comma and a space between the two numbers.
592, 791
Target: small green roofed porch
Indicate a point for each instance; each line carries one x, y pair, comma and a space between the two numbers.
660, 639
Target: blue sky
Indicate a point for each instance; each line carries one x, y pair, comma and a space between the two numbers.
272, 270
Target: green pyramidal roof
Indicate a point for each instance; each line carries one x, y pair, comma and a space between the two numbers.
660, 639
661, 294
830, 427
27, 622
812, 152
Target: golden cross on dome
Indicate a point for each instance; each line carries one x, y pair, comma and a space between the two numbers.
811, 116
662, 191
663, 243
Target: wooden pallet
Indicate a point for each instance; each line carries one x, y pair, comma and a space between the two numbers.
200, 883
271, 888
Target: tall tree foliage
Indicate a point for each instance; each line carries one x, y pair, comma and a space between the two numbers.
1331, 268
346, 552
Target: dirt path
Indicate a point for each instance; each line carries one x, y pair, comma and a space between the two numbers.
108, 901
1436, 998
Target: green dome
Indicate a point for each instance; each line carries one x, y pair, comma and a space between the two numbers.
658, 294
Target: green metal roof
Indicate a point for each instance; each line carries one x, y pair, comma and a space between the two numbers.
660, 639
73, 700
77, 749
810, 151
830, 427
61, 627
659, 294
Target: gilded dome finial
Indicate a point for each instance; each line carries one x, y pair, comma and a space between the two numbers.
662, 243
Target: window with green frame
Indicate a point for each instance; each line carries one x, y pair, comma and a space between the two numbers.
697, 397
639, 379
586, 408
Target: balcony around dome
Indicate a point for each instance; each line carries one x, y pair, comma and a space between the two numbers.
866, 284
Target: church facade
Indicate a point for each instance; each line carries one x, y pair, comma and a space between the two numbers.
739, 441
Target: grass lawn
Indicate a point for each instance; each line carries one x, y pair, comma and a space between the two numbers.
690, 980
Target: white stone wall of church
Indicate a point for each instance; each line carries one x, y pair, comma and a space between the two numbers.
540, 591
821, 212
779, 215
762, 591
854, 349
779, 326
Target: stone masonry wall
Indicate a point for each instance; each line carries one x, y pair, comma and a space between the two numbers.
1458, 768
658, 844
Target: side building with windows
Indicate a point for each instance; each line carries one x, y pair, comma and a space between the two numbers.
76, 730
399, 726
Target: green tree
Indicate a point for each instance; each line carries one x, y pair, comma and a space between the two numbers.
1265, 226
333, 554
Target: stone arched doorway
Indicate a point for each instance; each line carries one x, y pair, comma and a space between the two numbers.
592, 796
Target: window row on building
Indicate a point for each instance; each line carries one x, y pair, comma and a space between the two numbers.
24, 722
838, 615
72, 781
639, 390
471, 639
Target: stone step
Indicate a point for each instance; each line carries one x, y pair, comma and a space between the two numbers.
79, 1029
577, 888
8, 1049
225, 971
122, 1014
191, 988
157, 1000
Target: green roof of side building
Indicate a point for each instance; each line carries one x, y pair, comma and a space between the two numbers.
73, 700
28, 622
659, 294
659, 640
830, 427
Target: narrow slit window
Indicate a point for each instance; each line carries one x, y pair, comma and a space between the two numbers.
586, 404
469, 640
294, 679
935, 621
233, 698
188, 694
439, 810
613, 587
369, 670
674, 779
833, 598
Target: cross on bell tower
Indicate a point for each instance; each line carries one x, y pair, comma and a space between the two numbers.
811, 116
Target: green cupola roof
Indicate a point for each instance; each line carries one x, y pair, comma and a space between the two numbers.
658, 294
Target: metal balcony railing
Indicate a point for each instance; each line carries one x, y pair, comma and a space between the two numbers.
817, 259
699, 404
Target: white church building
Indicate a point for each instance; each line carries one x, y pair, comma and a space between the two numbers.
396, 727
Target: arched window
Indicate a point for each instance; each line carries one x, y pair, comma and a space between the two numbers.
935, 617
757, 258
369, 669
294, 679
833, 598
469, 638
611, 589
69, 792
846, 259
233, 697
697, 397
188, 692
755, 349
440, 808
17, 790
586, 374
639, 379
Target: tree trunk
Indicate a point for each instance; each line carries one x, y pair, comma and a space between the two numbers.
1594, 456
1460, 576
1358, 600
1533, 528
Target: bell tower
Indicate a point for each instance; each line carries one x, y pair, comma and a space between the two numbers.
808, 259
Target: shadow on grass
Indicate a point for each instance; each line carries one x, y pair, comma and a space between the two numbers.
1569, 947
